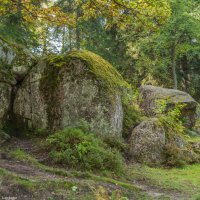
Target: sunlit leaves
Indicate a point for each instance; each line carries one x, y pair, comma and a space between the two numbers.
32, 11
124, 12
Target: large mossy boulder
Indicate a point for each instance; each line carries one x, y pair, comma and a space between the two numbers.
150, 96
62, 90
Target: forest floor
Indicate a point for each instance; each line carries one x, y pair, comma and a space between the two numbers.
25, 174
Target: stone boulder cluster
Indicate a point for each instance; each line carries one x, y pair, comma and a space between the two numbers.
57, 91
150, 138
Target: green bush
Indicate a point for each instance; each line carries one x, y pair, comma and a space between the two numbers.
77, 149
115, 142
175, 157
132, 113
170, 118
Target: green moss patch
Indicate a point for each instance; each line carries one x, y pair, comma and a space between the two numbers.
102, 69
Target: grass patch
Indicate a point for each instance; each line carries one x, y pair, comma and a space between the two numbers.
23, 156
185, 179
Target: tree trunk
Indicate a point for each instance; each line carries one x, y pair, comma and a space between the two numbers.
45, 37
19, 10
78, 37
174, 68
63, 40
185, 73
70, 39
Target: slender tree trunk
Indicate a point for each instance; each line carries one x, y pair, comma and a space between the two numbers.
174, 68
63, 40
185, 73
19, 11
78, 37
45, 47
70, 39
45, 37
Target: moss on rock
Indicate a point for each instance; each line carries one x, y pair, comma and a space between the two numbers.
97, 65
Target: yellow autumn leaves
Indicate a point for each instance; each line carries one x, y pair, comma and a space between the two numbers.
120, 12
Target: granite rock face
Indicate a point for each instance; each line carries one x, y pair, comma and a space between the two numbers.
5, 101
15, 62
151, 94
62, 90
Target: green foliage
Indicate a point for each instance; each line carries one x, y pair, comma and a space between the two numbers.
175, 157
74, 148
175, 45
169, 117
23, 156
114, 142
132, 113
104, 42
110, 140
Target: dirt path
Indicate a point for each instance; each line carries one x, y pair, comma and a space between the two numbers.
31, 172
28, 171
157, 193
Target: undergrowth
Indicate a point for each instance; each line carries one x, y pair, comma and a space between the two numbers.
177, 151
85, 151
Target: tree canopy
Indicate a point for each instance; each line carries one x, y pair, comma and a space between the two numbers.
149, 41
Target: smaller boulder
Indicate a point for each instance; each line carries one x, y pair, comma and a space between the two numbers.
151, 94
152, 144
147, 142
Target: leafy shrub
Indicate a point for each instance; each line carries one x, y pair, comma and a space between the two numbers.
175, 157
169, 117
132, 114
178, 157
115, 142
109, 139
74, 148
